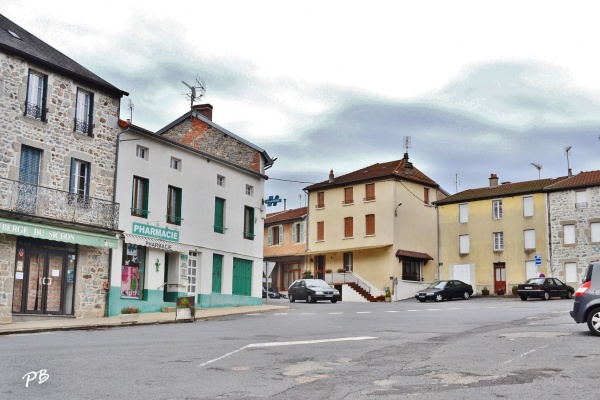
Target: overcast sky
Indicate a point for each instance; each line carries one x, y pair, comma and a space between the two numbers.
481, 87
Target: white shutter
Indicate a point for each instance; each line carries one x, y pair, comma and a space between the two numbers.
530, 270
270, 236
580, 197
463, 213
294, 235
529, 238
571, 272
280, 234
528, 206
463, 244
595, 228
462, 272
301, 232
569, 234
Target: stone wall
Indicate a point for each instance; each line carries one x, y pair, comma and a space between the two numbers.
563, 211
8, 246
92, 272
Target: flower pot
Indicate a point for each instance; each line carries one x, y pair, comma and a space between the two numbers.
388, 299
485, 292
183, 313
130, 318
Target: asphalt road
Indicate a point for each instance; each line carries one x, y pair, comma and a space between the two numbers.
476, 349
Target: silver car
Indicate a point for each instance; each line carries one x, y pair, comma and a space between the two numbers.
586, 307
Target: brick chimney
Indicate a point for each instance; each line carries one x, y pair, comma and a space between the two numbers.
493, 180
204, 109
331, 177
408, 167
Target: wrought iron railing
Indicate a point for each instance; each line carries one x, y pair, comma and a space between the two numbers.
57, 204
82, 126
33, 110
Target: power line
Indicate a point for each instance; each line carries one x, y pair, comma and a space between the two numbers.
287, 180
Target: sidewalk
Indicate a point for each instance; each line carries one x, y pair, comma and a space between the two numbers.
65, 324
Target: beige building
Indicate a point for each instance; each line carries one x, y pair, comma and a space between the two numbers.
492, 236
378, 226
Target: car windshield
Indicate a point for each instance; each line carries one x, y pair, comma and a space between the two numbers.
535, 281
437, 285
317, 283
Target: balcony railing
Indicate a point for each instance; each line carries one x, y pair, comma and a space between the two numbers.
55, 204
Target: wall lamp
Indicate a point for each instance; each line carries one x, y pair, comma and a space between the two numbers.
396, 210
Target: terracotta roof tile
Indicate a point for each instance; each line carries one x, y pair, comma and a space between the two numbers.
287, 215
395, 169
582, 179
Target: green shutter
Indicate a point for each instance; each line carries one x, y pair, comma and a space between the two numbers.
217, 273
146, 184
280, 233
219, 207
178, 205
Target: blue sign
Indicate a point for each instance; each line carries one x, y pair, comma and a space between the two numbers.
272, 201
538, 259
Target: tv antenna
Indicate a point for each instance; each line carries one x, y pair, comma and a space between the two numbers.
130, 105
456, 182
567, 150
197, 91
406, 141
538, 167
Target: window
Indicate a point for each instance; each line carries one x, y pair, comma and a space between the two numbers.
320, 230
528, 206
348, 195
250, 190
569, 234
464, 244
369, 192
84, 112
321, 200
571, 272
370, 224
132, 271
220, 180
580, 199
80, 181
298, 232
139, 197
348, 227
192, 269
529, 237
275, 235
426, 195
463, 213
175, 163
217, 273
497, 209
595, 232
249, 223
411, 269
348, 266
141, 152
35, 102
174, 206
498, 241
219, 224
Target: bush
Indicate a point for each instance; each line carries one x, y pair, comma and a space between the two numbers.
130, 310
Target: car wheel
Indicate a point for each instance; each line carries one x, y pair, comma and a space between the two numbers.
422, 300
569, 294
593, 321
334, 301
546, 296
466, 295
439, 297
292, 299
309, 299
524, 298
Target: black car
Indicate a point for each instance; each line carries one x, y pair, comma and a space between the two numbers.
544, 288
445, 290
273, 294
312, 290
586, 307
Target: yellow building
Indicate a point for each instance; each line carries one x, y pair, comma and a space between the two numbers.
492, 236
375, 226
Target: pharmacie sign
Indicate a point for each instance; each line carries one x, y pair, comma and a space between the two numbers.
155, 232
61, 235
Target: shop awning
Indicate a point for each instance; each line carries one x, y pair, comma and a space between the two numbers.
413, 254
157, 243
39, 231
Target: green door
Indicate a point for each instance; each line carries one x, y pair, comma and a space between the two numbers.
242, 277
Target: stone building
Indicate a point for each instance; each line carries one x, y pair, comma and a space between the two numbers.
574, 220
58, 217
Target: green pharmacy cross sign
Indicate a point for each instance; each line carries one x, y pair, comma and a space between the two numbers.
272, 201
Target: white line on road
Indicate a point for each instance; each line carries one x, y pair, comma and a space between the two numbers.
335, 313
363, 312
525, 354
275, 344
393, 311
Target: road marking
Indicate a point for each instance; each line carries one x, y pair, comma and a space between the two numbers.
307, 313
525, 354
282, 313
254, 314
335, 313
393, 311
363, 312
433, 309
277, 344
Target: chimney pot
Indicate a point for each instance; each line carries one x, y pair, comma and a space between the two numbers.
493, 180
331, 177
204, 109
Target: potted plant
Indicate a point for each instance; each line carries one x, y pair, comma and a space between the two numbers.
130, 315
185, 309
500, 292
328, 270
340, 270
388, 295
514, 290
485, 291
307, 274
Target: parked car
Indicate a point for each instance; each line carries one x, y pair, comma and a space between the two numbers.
312, 290
544, 288
445, 290
586, 307
273, 294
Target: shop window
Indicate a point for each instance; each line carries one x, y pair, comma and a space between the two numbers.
132, 271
